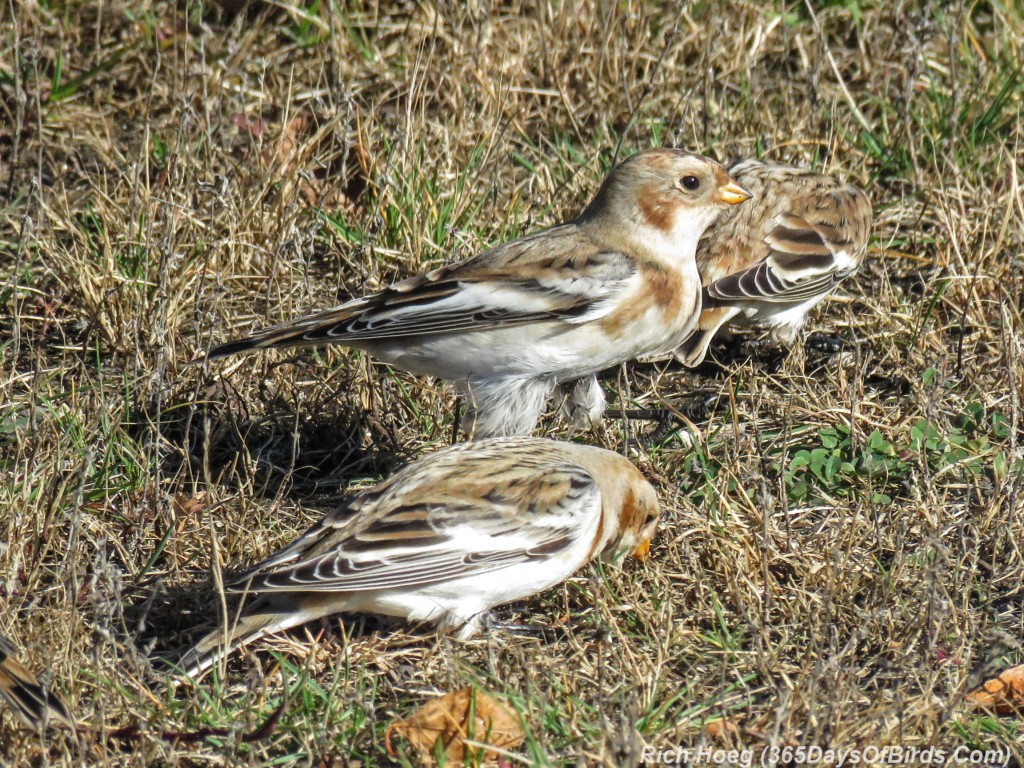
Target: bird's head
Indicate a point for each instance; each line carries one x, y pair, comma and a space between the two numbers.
669, 194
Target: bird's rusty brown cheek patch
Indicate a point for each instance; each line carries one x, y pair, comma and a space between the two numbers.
657, 211
630, 515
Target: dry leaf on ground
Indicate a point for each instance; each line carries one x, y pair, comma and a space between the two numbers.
465, 715
1004, 694
188, 506
722, 730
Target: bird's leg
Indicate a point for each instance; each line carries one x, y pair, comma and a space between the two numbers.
506, 405
665, 419
457, 418
644, 414
583, 405
526, 630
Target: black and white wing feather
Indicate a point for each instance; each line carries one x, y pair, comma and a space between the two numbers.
31, 702
805, 261
397, 536
556, 275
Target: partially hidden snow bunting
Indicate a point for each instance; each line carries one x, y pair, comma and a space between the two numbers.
769, 262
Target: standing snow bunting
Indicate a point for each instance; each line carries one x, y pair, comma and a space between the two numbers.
514, 322
769, 262
30, 701
449, 537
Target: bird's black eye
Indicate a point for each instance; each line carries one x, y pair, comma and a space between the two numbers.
690, 182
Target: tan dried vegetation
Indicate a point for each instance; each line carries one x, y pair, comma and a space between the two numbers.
841, 559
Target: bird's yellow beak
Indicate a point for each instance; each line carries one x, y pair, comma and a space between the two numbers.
641, 552
732, 194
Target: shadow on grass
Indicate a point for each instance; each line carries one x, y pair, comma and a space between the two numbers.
268, 442
172, 618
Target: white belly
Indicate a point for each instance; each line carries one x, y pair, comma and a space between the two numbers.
564, 351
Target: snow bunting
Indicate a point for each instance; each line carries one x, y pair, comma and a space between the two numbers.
512, 323
770, 261
33, 704
449, 537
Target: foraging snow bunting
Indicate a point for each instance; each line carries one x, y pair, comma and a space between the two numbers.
770, 261
449, 537
514, 322
33, 704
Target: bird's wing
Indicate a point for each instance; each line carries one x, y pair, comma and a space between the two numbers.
558, 274
447, 522
805, 260
21, 690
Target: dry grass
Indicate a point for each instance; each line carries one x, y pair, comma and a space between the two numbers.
170, 177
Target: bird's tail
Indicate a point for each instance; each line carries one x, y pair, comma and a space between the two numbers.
694, 348
31, 702
322, 328
270, 613
221, 641
713, 316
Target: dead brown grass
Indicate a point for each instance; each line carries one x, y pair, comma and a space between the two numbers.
190, 173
